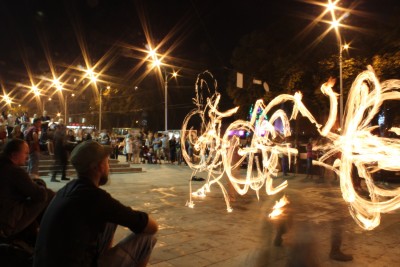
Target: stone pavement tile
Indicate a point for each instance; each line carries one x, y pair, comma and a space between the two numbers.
190, 260
177, 238
214, 254
165, 253
161, 264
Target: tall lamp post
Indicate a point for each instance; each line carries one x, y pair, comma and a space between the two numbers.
157, 63
341, 48
100, 109
167, 76
331, 7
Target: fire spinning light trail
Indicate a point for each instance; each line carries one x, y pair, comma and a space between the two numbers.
356, 144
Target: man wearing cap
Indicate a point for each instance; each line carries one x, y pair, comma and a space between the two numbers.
79, 224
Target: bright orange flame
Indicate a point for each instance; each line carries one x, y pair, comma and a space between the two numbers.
277, 209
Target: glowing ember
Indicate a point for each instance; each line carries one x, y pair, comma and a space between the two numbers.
277, 209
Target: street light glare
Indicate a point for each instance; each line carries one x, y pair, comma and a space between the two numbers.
174, 74
346, 46
335, 24
331, 6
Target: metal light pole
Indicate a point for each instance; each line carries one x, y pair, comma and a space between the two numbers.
166, 77
341, 82
65, 108
100, 109
166, 99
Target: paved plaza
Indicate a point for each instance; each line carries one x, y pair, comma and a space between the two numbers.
208, 235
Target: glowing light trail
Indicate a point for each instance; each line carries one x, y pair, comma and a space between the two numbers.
357, 145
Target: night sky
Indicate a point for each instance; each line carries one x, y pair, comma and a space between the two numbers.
196, 35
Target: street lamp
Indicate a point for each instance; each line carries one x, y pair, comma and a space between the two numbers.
167, 76
335, 23
100, 105
341, 48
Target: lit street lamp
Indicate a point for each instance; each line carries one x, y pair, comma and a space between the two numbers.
335, 23
157, 63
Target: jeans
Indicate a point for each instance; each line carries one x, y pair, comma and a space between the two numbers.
128, 252
309, 166
33, 163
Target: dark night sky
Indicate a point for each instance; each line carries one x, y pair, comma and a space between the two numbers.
198, 35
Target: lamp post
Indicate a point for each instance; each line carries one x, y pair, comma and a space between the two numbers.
100, 109
335, 23
65, 108
341, 48
166, 77
157, 63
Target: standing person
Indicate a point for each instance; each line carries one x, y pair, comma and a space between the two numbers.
178, 151
22, 199
79, 224
32, 138
44, 127
172, 149
310, 156
128, 147
11, 119
157, 147
165, 146
24, 121
16, 132
136, 144
61, 154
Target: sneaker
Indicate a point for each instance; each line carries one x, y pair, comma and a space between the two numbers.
65, 179
54, 180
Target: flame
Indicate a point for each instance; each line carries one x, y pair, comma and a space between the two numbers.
277, 209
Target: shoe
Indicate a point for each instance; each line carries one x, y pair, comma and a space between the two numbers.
65, 179
54, 180
340, 256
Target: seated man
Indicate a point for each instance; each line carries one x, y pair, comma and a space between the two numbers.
78, 226
22, 200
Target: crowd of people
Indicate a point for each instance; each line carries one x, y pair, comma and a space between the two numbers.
152, 148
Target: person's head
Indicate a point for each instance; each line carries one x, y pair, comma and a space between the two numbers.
44, 113
90, 160
60, 121
17, 150
17, 129
37, 122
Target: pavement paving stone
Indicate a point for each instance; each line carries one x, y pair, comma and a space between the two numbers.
208, 235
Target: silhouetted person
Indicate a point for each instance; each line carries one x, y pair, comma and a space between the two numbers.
60, 154
79, 224
22, 200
